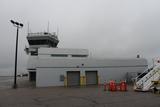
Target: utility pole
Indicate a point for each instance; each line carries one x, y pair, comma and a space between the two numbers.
17, 25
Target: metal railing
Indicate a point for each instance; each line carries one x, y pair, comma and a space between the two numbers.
145, 72
149, 74
53, 35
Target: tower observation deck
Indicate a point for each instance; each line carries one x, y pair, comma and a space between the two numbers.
41, 39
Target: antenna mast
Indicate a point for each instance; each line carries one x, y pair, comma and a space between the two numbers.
48, 27
57, 31
28, 28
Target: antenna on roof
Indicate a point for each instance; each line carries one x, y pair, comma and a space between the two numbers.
28, 28
48, 27
57, 31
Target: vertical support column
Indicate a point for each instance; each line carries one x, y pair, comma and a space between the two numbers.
98, 80
65, 81
83, 78
82, 81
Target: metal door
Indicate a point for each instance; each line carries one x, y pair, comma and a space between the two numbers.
91, 78
73, 78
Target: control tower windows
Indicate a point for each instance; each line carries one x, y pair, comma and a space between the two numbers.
42, 42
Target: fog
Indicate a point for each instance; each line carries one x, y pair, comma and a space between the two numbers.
108, 28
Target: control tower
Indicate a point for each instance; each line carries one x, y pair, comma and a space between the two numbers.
36, 41
41, 39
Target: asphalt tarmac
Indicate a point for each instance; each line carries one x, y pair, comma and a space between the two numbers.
27, 95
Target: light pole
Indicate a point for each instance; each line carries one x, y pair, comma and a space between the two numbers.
17, 25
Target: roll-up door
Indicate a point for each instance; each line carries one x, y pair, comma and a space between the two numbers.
91, 78
73, 78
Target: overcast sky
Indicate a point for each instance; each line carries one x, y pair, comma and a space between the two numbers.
108, 28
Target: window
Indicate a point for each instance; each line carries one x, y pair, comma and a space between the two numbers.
61, 77
79, 55
59, 55
34, 53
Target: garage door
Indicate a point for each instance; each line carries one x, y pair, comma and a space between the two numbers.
73, 78
91, 78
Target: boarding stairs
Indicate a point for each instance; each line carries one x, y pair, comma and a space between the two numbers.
143, 82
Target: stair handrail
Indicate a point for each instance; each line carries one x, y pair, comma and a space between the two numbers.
155, 68
136, 79
156, 71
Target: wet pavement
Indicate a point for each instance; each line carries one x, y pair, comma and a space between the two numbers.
6, 82
92, 96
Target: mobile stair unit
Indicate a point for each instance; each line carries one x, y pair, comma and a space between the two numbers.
143, 82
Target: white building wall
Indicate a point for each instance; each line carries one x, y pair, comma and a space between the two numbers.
51, 76
87, 62
49, 51
32, 62
49, 69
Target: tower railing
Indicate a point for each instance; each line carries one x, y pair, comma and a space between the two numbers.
53, 35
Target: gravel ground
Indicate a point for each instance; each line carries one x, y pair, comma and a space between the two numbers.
29, 96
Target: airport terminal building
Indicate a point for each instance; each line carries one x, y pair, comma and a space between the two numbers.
52, 66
